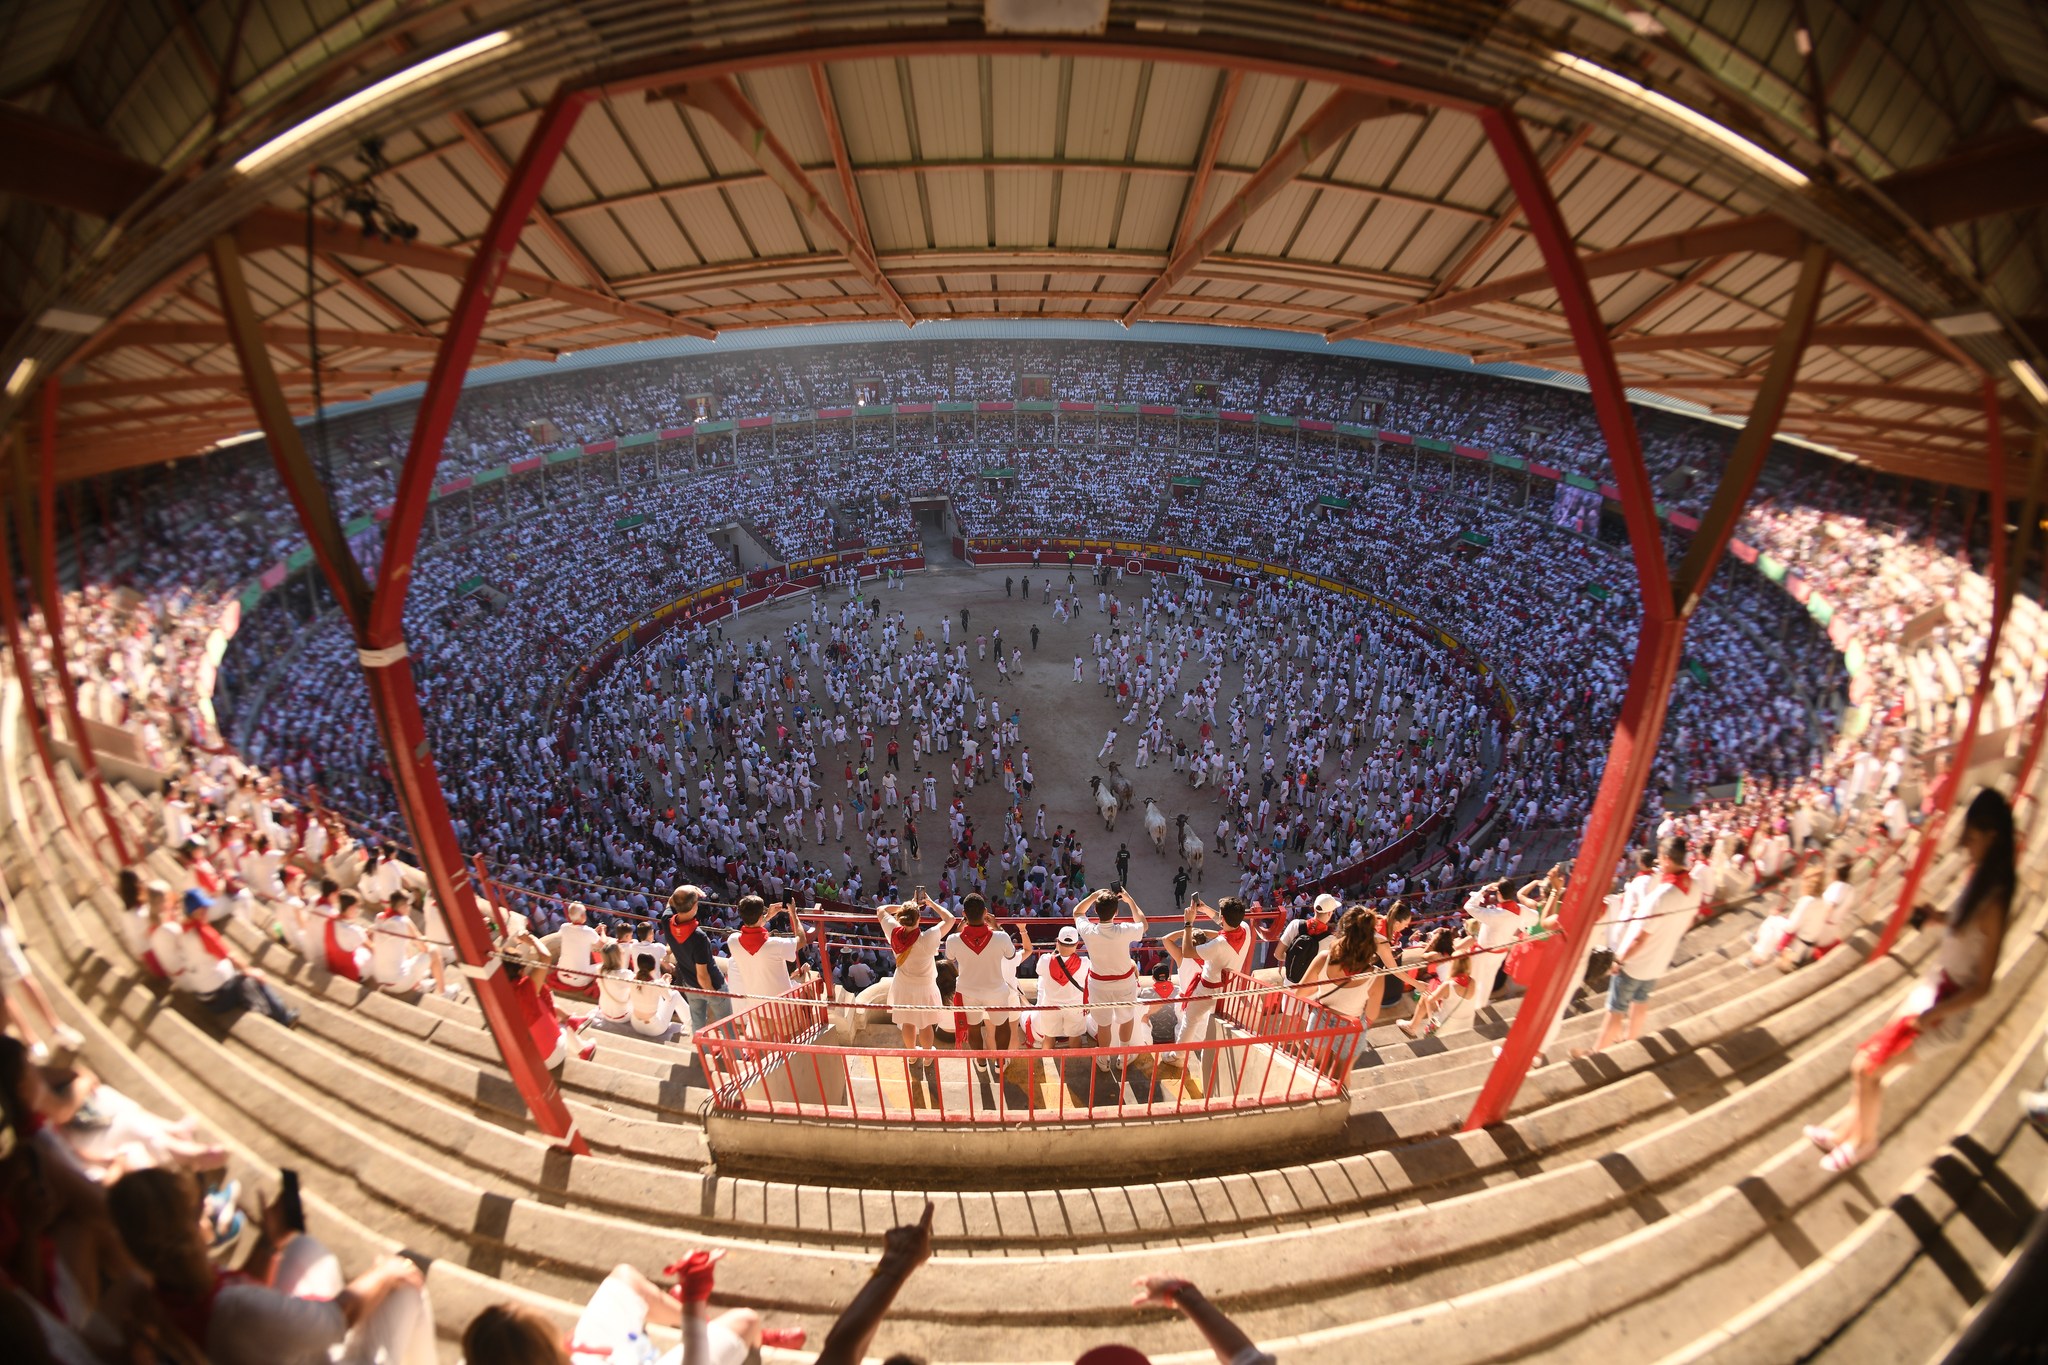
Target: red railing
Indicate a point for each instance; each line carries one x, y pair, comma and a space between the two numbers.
1272, 1049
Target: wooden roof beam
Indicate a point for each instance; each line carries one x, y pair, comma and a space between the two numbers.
1328, 126
285, 334
721, 100
1506, 220
1844, 335
227, 381
555, 232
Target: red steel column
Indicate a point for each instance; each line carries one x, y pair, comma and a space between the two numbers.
1932, 827
24, 673
1658, 641
53, 619
386, 664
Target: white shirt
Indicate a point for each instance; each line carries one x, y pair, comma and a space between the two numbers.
393, 942
1067, 995
981, 973
922, 961
253, 1324
1495, 926
1661, 916
1109, 947
765, 972
1220, 957
578, 944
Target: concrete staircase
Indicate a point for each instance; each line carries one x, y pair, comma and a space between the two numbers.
1655, 1202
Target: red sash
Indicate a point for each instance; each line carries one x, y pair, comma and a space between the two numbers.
339, 962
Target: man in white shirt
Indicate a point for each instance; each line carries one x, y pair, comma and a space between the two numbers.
1217, 956
200, 963
978, 950
576, 947
1112, 975
1496, 922
1645, 943
399, 958
1061, 1019
761, 959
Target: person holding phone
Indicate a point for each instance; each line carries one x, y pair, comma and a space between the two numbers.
1112, 974
287, 1305
914, 1000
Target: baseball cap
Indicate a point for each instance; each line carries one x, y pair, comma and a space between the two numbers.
1070, 935
195, 899
1327, 903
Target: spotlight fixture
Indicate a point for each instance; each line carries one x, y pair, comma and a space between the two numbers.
433, 68
1672, 111
23, 376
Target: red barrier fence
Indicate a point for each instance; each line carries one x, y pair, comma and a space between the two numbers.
1265, 1048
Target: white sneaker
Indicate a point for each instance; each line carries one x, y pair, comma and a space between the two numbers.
68, 1038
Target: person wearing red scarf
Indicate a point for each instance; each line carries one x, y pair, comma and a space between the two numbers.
1645, 943
200, 962
914, 1000
1060, 1020
1217, 958
346, 941
980, 953
761, 958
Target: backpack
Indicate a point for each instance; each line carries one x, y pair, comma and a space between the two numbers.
1301, 954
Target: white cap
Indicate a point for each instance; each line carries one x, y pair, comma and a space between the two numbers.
1070, 935
1327, 903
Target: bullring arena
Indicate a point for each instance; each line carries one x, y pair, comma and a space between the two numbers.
1041, 683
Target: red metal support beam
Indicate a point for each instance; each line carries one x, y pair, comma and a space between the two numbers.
25, 674
1661, 634
1934, 826
2029, 522
377, 613
53, 621
1325, 128
381, 638
1506, 220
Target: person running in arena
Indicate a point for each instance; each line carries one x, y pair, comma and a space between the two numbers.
1112, 974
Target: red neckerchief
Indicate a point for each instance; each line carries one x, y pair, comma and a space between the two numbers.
1682, 880
1064, 972
976, 936
1163, 989
210, 937
902, 940
752, 937
1236, 938
1315, 928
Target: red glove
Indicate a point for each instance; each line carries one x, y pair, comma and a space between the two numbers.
693, 1275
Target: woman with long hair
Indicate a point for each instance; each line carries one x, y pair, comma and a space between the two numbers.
1937, 1011
1340, 978
1450, 959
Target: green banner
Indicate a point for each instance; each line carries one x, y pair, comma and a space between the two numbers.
1433, 446
299, 558
644, 438
1332, 500
628, 523
1599, 592
1697, 671
1820, 609
1004, 473
1477, 539
1189, 481
469, 585
358, 526
566, 455
1770, 567
491, 475
1508, 461
1581, 481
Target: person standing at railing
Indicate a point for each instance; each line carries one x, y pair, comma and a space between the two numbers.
978, 952
1216, 958
1340, 979
914, 1000
1061, 1020
1112, 974
1496, 923
761, 959
1645, 944
696, 964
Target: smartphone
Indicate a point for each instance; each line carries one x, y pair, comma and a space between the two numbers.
1116, 889
289, 1206
918, 895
